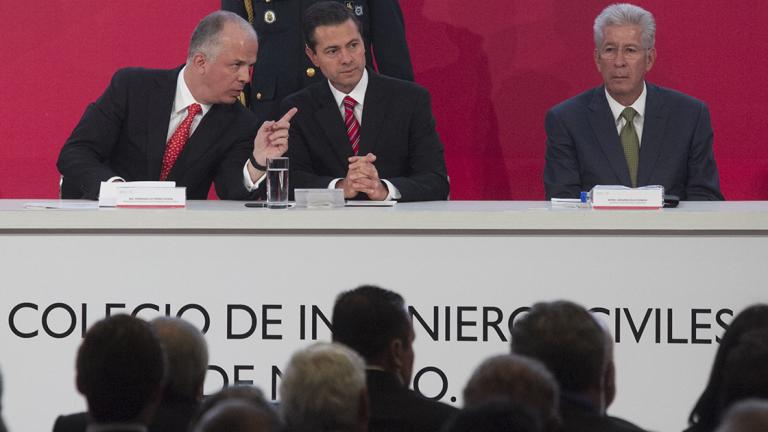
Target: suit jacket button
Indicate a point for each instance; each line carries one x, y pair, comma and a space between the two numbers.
258, 96
310, 72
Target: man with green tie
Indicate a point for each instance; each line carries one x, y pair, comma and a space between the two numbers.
628, 131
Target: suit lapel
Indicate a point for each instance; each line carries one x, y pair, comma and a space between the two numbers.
604, 127
656, 114
159, 106
329, 118
375, 110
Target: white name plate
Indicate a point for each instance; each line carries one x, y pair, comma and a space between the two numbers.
109, 190
319, 198
622, 197
148, 197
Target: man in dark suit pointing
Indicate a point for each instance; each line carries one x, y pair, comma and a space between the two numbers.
370, 135
629, 132
181, 124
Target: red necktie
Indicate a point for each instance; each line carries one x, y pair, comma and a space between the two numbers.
353, 127
177, 141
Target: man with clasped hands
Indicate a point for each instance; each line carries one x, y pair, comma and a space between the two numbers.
370, 135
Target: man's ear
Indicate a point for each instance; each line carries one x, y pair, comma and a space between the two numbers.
396, 353
79, 384
597, 60
651, 59
312, 55
609, 384
199, 62
200, 388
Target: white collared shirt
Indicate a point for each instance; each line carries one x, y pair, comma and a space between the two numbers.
358, 94
638, 105
181, 102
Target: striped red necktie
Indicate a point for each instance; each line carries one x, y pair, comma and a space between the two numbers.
178, 140
353, 127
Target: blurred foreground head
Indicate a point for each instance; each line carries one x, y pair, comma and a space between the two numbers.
121, 370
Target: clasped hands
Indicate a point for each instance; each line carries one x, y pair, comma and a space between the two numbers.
363, 177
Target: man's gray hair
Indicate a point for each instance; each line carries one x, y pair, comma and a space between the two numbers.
205, 38
187, 357
621, 14
321, 388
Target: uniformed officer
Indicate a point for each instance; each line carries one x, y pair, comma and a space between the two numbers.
283, 68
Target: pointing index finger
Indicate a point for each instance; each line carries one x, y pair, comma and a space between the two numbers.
289, 115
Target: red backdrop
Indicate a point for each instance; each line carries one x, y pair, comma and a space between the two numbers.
494, 67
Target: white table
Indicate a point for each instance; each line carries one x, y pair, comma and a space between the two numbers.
466, 267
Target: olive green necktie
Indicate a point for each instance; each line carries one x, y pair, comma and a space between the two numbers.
630, 143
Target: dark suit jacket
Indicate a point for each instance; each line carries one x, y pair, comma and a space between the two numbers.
579, 416
397, 126
124, 134
394, 408
171, 416
282, 66
584, 150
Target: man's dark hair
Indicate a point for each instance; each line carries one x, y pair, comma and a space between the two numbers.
704, 413
745, 371
499, 415
368, 318
326, 13
567, 339
120, 368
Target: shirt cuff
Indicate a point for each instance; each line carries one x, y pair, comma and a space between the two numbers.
332, 184
250, 186
393, 194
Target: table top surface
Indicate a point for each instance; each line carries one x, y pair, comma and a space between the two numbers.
463, 216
